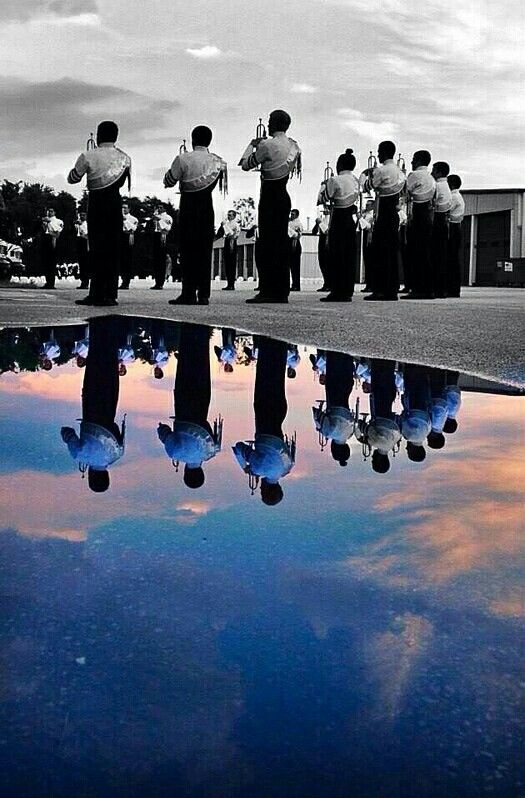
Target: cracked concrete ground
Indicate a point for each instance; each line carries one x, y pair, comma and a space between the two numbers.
481, 333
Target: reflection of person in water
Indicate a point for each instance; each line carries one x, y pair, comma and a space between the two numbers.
453, 398
438, 408
382, 432
293, 358
336, 422
227, 354
101, 441
318, 362
192, 440
271, 455
415, 420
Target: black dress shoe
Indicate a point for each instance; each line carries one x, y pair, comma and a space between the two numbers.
322, 289
260, 299
86, 301
203, 301
373, 298
182, 300
156, 287
335, 298
82, 287
47, 287
294, 288
366, 290
229, 288
419, 296
124, 287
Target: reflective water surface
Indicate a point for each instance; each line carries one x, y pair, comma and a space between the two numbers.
236, 567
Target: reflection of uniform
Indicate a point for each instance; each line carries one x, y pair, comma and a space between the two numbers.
162, 226
442, 205
129, 228
192, 440
336, 422
83, 253
455, 218
295, 230
198, 173
52, 230
106, 168
341, 191
420, 187
387, 181
277, 157
271, 455
382, 432
415, 419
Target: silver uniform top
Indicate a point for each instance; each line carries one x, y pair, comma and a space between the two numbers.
267, 456
188, 442
195, 171
388, 179
96, 446
277, 157
421, 185
383, 434
103, 166
335, 423
443, 196
129, 223
341, 190
415, 426
457, 207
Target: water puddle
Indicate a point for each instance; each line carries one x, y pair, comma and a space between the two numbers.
237, 567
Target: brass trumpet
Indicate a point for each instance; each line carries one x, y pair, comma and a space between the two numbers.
91, 143
328, 172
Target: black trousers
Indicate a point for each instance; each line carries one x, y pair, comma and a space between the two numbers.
83, 261
417, 387
385, 243
383, 387
49, 260
269, 401
197, 230
100, 391
271, 251
342, 252
296, 251
322, 257
160, 250
419, 238
192, 394
368, 259
126, 259
104, 231
339, 379
439, 253
230, 261
453, 282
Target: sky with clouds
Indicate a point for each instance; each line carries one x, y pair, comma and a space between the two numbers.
444, 76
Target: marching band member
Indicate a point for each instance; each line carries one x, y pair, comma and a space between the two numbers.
382, 431
53, 227
455, 218
230, 229
442, 205
278, 157
387, 180
341, 192
335, 421
421, 188
320, 228
227, 353
295, 231
80, 350
83, 249
198, 173
160, 357
415, 419
438, 408
293, 358
452, 396
271, 455
126, 357
49, 353
192, 440
130, 224
162, 223
100, 443
107, 168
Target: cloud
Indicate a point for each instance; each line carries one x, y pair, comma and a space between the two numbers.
57, 116
74, 10
302, 88
207, 52
367, 128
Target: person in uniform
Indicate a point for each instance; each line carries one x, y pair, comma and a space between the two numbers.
382, 431
455, 219
49, 353
198, 172
318, 362
452, 396
83, 250
341, 192
227, 353
438, 407
160, 357
230, 230
53, 227
101, 441
81, 349
387, 180
415, 418
278, 157
421, 188
162, 223
130, 224
293, 358
192, 439
320, 229
271, 455
295, 231
333, 419
107, 168
442, 205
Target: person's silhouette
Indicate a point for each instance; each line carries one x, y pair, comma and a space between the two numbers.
334, 421
101, 441
192, 440
415, 420
382, 433
271, 455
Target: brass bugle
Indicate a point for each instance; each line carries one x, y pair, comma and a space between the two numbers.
91, 143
